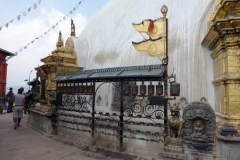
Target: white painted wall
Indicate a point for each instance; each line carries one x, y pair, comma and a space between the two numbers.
106, 41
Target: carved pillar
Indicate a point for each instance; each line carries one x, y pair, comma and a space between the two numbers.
223, 39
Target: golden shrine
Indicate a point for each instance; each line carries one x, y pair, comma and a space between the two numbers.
223, 39
62, 59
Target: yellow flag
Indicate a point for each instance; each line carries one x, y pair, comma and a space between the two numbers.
68, 15
49, 30
24, 13
153, 47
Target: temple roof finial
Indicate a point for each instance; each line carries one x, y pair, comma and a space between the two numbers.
59, 42
72, 28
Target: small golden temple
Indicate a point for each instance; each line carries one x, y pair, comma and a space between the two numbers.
62, 59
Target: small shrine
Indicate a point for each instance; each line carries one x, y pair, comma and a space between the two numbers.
62, 59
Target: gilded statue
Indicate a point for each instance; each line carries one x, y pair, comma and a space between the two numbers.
173, 140
174, 124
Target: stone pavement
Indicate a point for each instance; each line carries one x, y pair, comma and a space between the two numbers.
26, 143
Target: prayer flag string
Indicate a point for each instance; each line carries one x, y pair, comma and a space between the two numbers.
49, 30
35, 5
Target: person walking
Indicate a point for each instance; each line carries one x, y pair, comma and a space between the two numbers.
25, 95
19, 100
9, 98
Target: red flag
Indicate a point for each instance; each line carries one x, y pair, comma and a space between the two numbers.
6, 25
35, 5
56, 23
37, 38
74, 8
151, 26
16, 53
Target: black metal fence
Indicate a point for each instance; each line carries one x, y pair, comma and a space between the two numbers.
141, 113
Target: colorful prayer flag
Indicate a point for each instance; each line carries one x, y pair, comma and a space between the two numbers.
35, 5
71, 12
79, 2
45, 32
49, 30
16, 53
64, 18
6, 25
56, 23
28, 44
0, 28
53, 27
60, 21
29, 9
18, 17
74, 9
37, 38
41, 36
77, 5
68, 15
25, 47
11, 21
39, 1
32, 41
24, 13
20, 50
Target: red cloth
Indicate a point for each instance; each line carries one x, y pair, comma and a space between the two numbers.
151, 26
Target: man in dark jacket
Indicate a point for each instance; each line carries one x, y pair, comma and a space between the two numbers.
9, 98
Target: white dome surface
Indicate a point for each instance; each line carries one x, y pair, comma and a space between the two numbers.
107, 41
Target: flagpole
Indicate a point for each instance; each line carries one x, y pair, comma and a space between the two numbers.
164, 10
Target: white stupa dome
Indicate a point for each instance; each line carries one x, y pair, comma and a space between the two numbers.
107, 41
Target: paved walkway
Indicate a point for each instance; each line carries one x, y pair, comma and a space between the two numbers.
25, 143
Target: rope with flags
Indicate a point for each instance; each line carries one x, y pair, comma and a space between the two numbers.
23, 14
49, 30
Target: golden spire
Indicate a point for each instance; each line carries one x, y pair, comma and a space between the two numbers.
59, 42
72, 28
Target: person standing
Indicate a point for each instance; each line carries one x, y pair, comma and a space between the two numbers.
19, 100
9, 98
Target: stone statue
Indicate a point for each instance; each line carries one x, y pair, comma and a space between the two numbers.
198, 129
174, 125
173, 140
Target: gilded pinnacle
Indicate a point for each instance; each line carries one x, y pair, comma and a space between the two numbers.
72, 28
164, 10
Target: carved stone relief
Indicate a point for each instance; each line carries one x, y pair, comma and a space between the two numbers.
99, 101
200, 126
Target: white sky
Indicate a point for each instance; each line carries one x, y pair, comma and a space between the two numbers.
39, 20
